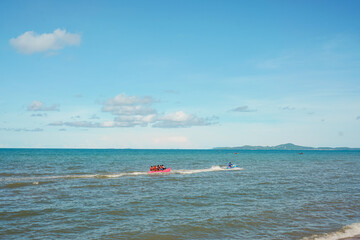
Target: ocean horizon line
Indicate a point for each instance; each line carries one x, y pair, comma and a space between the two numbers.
186, 149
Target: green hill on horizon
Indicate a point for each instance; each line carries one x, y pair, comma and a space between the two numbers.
287, 146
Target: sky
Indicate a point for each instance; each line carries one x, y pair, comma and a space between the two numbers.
190, 74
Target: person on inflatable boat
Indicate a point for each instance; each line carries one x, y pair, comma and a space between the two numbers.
230, 165
157, 168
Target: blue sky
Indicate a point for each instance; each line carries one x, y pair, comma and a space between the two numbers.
179, 74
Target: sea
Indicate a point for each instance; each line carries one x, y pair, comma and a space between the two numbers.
109, 194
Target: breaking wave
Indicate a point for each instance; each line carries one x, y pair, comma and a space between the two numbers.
349, 232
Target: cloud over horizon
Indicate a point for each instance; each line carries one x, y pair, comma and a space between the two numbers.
31, 42
181, 119
132, 111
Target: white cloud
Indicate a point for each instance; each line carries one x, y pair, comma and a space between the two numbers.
175, 120
132, 111
85, 124
243, 109
123, 99
22, 129
137, 120
57, 123
287, 108
121, 121
39, 106
181, 119
39, 115
31, 42
128, 110
129, 105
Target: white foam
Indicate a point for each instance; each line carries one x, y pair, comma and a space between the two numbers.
122, 174
348, 231
118, 175
212, 169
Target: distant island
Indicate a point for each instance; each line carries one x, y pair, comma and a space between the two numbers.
287, 146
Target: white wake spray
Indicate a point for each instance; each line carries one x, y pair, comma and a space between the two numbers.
212, 169
123, 174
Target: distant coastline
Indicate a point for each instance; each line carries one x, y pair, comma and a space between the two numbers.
287, 146
281, 147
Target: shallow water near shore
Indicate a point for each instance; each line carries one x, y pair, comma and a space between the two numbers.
108, 194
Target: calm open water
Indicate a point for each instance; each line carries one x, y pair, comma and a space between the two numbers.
107, 194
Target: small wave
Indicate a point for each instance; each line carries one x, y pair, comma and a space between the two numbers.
17, 185
25, 213
23, 184
349, 232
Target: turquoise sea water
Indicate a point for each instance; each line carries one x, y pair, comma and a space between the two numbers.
107, 194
